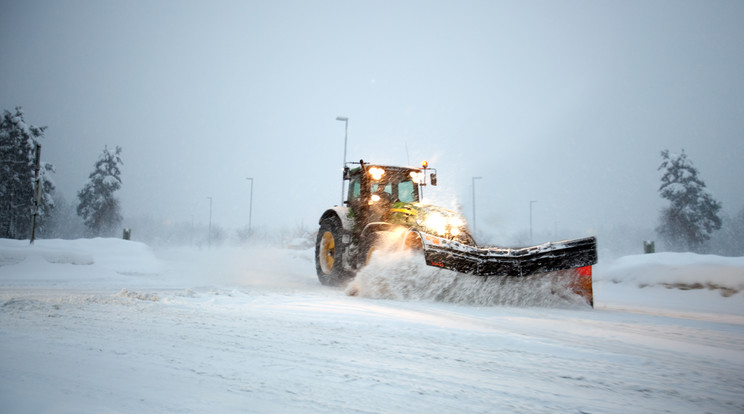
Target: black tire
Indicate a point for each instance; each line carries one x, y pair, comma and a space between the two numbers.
466, 238
414, 244
329, 253
413, 241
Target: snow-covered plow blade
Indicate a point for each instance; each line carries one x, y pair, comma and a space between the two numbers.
579, 254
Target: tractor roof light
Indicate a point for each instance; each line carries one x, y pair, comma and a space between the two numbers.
376, 173
425, 165
417, 177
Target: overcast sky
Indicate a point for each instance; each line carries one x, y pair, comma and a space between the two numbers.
565, 102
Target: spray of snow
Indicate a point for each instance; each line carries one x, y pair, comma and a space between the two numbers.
403, 275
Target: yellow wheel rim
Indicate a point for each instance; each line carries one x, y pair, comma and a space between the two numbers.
327, 252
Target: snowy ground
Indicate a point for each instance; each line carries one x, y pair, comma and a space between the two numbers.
108, 326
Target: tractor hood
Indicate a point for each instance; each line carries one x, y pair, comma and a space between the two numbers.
432, 219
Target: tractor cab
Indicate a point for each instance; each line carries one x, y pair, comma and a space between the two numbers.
375, 189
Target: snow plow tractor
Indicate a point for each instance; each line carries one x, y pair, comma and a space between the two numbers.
384, 211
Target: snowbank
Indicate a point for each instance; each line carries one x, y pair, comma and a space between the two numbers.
679, 270
76, 259
679, 281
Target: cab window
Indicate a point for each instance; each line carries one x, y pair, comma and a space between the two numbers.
406, 192
388, 188
355, 190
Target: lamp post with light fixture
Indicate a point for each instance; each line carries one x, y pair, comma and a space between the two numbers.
250, 207
209, 235
474, 225
531, 203
345, 120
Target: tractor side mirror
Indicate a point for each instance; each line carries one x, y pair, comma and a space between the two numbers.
347, 173
433, 178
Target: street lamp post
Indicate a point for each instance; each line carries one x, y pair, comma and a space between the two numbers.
345, 120
209, 234
474, 222
531, 203
250, 207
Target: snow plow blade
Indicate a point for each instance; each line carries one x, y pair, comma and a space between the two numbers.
497, 261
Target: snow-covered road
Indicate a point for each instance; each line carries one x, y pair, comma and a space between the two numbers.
243, 330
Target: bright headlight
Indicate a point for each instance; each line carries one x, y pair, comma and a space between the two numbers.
442, 225
455, 224
437, 223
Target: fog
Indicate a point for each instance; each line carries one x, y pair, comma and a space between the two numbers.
564, 103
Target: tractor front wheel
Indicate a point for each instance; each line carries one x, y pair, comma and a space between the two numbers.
413, 242
329, 253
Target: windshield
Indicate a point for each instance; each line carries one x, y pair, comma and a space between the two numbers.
395, 185
404, 191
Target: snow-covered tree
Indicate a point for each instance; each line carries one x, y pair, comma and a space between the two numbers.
687, 223
98, 206
18, 142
